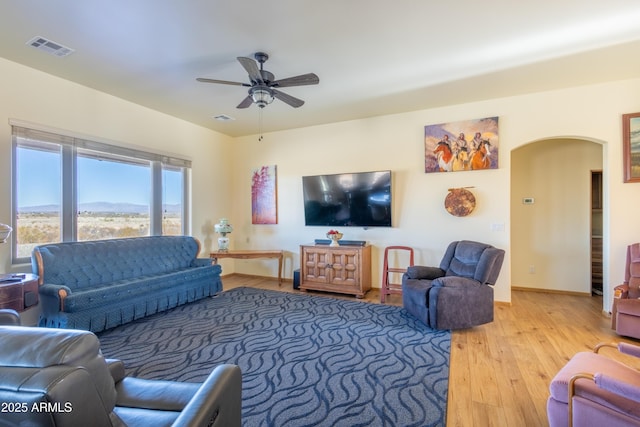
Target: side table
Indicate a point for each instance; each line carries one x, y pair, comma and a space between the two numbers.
249, 254
19, 293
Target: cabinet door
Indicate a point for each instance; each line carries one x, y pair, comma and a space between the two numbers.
314, 265
344, 270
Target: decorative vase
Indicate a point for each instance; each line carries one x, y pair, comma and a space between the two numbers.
334, 237
223, 228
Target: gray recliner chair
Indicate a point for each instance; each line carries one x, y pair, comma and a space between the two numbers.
58, 377
457, 294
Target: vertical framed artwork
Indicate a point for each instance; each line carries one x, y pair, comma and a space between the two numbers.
631, 146
264, 201
461, 146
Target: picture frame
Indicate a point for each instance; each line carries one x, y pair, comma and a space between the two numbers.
631, 146
467, 145
264, 195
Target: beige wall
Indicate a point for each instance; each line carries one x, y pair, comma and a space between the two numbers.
550, 239
396, 142
390, 142
31, 96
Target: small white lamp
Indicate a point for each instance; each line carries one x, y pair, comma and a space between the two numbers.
223, 228
5, 231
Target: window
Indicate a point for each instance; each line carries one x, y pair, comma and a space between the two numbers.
72, 189
114, 196
38, 192
172, 205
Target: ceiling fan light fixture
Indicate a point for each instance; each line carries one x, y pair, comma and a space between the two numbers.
262, 96
263, 86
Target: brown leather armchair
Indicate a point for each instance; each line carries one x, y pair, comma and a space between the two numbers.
625, 313
58, 377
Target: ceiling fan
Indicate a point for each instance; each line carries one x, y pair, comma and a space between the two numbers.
263, 88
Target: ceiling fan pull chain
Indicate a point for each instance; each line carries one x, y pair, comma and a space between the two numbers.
260, 110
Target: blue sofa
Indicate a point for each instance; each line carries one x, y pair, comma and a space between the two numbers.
97, 285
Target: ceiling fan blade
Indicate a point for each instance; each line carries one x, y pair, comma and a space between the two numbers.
246, 103
301, 80
223, 82
251, 67
288, 99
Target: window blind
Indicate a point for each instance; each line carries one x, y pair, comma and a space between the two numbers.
35, 135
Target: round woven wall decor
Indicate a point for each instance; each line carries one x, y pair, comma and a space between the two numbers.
459, 202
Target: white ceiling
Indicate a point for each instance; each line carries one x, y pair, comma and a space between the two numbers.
372, 57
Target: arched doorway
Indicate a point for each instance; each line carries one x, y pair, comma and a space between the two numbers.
551, 214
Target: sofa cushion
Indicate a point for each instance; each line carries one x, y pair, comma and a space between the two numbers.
464, 259
129, 289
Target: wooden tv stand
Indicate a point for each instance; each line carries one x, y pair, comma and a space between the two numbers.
342, 269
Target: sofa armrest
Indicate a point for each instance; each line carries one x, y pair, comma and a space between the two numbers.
422, 272
53, 290
622, 347
608, 383
616, 386
218, 402
160, 395
630, 349
621, 291
201, 262
57, 292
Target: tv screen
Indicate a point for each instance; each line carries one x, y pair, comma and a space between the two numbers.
361, 199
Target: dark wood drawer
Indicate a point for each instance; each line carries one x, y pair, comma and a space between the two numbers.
16, 304
10, 292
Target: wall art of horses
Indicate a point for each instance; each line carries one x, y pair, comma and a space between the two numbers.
461, 146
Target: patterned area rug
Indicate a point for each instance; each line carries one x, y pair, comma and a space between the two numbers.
305, 360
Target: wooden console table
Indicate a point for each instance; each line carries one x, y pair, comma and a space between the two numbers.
247, 254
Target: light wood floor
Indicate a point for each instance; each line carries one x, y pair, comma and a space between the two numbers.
500, 372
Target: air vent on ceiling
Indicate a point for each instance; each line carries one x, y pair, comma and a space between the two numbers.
50, 46
223, 118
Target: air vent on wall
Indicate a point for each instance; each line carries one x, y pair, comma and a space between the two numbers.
49, 46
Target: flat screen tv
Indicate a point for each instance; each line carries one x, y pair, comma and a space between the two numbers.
361, 199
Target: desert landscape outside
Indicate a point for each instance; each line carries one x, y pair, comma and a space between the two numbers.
38, 228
